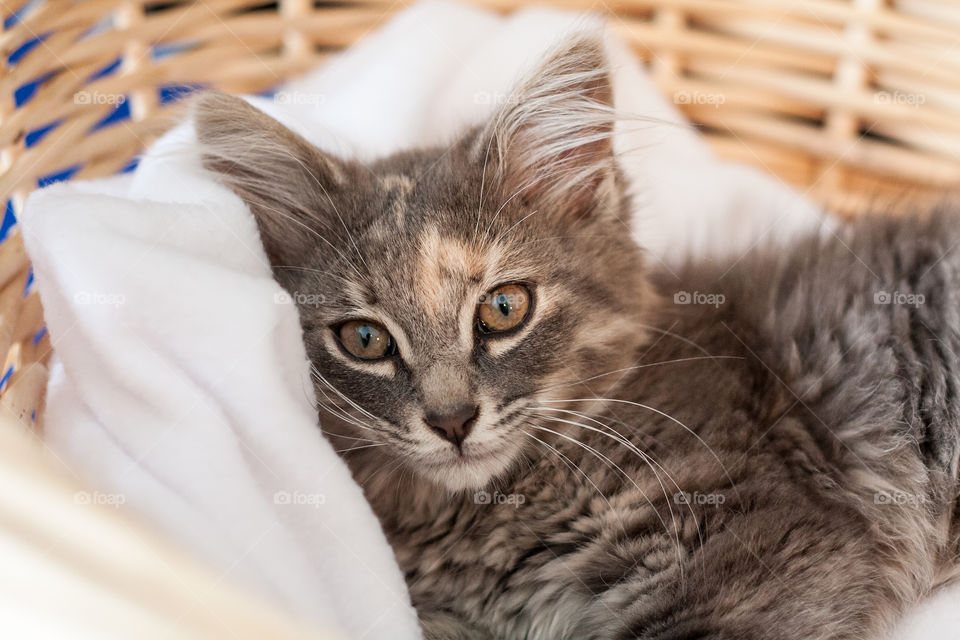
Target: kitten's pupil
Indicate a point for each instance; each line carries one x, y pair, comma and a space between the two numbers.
503, 304
366, 333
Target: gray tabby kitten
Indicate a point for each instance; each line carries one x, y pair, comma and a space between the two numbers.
554, 447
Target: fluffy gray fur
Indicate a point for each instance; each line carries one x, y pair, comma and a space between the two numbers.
781, 464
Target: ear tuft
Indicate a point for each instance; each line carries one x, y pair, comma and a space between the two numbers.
286, 181
552, 144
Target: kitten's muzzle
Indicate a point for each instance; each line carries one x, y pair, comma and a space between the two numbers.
453, 425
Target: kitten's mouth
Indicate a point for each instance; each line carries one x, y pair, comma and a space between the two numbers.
463, 458
468, 469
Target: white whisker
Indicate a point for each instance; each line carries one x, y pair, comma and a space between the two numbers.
648, 459
607, 461
570, 465
640, 366
668, 417
363, 446
643, 457
356, 406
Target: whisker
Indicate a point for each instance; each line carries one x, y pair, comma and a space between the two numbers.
666, 497
616, 436
641, 366
600, 456
332, 205
571, 465
289, 217
363, 446
341, 413
648, 459
311, 270
687, 341
726, 472
483, 182
343, 435
356, 406
496, 215
515, 225
537, 179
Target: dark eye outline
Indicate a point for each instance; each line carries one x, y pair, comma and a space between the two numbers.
486, 333
389, 354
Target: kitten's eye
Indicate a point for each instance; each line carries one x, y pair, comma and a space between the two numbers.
366, 340
503, 308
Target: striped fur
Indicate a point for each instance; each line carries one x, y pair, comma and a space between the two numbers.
778, 464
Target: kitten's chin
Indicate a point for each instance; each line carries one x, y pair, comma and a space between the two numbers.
464, 473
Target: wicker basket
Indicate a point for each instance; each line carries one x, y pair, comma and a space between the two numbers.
852, 101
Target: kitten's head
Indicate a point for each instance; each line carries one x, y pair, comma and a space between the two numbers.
445, 292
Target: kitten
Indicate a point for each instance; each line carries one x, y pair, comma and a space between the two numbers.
557, 446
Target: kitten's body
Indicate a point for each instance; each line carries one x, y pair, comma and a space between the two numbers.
819, 466
809, 429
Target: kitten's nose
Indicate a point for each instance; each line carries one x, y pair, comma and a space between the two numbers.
453, 425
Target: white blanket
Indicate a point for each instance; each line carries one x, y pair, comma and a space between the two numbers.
182, 384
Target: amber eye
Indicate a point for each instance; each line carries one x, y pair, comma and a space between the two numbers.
366, 340
503, 308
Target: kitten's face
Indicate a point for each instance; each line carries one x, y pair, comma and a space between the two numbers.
561, 292
443, 296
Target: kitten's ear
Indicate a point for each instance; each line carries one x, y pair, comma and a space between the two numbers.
286, 181
552, 143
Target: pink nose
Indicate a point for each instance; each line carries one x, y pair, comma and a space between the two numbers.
454, 424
